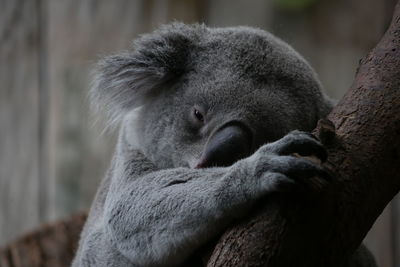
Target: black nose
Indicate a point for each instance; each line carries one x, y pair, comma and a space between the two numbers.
226, 146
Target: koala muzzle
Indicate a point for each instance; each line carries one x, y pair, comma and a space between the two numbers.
231, 142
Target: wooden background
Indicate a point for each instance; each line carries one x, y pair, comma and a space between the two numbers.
53, 154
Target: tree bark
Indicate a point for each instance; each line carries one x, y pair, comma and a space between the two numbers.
364, 155
51, 245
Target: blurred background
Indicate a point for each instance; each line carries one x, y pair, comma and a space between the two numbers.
53, 155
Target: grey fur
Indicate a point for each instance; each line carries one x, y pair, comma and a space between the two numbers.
153, 208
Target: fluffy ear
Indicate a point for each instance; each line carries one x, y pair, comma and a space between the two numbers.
122, 82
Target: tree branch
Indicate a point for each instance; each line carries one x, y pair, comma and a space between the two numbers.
50, 245
364, 155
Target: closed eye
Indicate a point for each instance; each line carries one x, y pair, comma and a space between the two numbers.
198, 115
175, 182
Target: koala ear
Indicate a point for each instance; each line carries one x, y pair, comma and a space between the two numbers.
123, 82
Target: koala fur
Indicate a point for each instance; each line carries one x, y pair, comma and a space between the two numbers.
209, 118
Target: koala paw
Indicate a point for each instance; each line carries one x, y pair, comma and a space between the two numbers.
290, 163
299, 143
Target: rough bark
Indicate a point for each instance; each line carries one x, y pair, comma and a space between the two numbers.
364, 156
51, 245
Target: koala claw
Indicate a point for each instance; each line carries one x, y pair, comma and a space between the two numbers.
280, 161
301, 171
308, 173
302, 143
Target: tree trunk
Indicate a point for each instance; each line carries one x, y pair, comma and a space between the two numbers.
364, 156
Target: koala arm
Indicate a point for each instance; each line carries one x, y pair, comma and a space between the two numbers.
159, 217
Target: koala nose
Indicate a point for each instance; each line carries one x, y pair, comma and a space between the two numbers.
227, 145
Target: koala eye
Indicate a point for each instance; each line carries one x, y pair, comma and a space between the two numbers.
197, 114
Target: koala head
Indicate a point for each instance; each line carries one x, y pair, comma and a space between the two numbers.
193, 96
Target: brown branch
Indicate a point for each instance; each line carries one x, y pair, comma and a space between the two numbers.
364, 151
50, 245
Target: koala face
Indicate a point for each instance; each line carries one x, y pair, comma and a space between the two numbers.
208, 97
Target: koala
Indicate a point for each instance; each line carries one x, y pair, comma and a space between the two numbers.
209, 122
